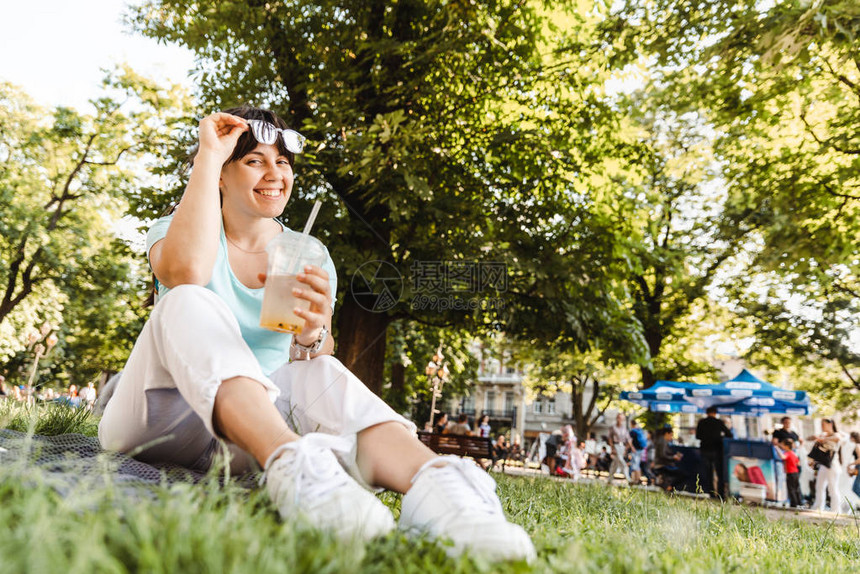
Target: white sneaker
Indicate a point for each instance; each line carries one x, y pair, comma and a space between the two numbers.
458, 501
305, 480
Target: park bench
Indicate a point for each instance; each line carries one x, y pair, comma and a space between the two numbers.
476, 447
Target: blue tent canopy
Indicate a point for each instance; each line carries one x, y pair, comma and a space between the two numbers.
747, 384
745, 394
753, 406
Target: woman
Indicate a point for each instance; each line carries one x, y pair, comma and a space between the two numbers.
829, 439
204, 377
565, 453
578, 460
484, 426
500, 452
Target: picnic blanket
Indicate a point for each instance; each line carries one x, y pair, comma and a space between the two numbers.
70, 461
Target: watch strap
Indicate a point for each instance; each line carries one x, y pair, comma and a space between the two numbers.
304, 352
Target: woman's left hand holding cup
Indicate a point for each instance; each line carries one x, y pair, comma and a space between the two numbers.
320, 297
317, 291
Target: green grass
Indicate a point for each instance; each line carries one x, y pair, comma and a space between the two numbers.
213, 528
50, 420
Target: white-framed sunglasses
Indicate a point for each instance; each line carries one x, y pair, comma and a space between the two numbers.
266, 133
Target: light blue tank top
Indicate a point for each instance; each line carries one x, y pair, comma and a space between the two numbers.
270, 348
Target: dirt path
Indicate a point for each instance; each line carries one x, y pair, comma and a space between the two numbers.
812, 516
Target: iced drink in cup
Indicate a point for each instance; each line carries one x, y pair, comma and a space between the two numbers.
288, 255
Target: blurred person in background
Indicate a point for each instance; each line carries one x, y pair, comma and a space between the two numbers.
638, 442
619, 444
854, 466
827, 477
461, 427
711, 431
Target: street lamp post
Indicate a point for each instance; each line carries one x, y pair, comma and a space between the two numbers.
438, 373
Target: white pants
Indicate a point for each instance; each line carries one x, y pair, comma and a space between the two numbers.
162, 408
618, 462
828, 478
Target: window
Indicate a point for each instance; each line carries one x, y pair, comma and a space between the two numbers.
469, 404
509, 401
490, 400
537, 406
550, 407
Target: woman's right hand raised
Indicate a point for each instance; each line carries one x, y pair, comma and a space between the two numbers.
218, 134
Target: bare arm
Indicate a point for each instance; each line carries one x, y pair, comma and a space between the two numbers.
822, 438
187, 253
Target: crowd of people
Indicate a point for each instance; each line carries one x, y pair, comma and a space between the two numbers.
72, 395
632, 453
658, 458
503, 450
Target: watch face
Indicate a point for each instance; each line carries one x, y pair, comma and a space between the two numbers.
321, 339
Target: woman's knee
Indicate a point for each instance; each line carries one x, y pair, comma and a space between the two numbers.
193, 308
185, 298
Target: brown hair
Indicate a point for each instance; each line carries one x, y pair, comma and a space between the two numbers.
247, 142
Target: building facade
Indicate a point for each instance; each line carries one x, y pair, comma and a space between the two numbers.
501, 394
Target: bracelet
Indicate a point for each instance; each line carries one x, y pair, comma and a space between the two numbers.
299, 352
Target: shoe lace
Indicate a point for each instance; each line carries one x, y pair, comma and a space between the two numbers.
314, 476
481, 495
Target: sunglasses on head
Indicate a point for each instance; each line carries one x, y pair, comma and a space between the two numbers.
266, 133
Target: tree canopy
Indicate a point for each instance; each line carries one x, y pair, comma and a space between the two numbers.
440, 132
65, 180
779, 83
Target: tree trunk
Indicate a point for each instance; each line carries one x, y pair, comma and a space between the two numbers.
396, 394
361, 342
398, 378
576, 411
582, 414
653, 338
648, 377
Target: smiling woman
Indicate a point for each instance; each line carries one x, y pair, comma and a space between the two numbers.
203, 368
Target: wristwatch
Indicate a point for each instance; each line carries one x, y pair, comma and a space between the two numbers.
304, 352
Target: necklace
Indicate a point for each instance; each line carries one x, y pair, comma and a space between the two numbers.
237, 246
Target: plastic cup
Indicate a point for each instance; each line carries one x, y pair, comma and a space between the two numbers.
288, 255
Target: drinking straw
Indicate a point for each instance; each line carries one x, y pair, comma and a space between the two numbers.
312, 217
305, 234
